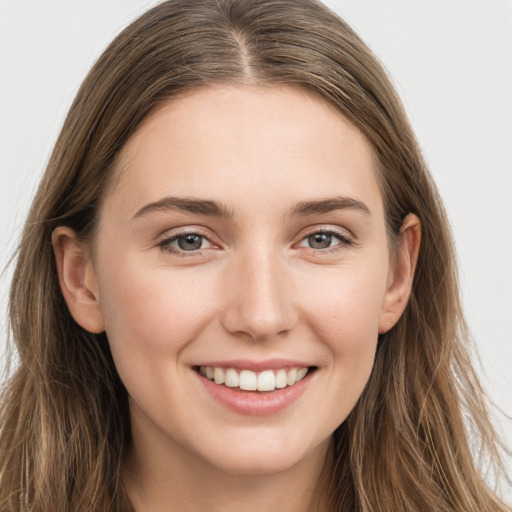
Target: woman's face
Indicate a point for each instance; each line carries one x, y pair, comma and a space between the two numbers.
243, 241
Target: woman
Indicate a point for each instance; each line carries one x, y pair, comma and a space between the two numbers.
236, 287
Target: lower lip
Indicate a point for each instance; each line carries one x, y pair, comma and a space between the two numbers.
256, 403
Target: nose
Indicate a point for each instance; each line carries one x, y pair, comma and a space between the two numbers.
259, 297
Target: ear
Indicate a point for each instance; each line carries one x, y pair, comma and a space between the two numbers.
401, 273
77, 279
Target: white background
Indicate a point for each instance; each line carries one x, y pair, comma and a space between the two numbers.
451, 62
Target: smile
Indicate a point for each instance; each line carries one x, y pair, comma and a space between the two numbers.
247, 380
256, 388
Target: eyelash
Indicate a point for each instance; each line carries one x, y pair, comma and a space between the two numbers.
344, 240
166, 246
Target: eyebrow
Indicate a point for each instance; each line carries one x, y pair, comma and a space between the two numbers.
200, 206
218, 209
329, 205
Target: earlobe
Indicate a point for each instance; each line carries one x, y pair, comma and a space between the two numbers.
77, 279
401, 274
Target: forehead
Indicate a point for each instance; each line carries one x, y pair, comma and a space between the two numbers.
245, 142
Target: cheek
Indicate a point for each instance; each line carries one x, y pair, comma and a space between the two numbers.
345, 323
344, 318
152, 313
347, 308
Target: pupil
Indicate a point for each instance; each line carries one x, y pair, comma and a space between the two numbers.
190, 242
320, 241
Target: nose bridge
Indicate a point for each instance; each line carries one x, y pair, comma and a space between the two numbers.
260, 302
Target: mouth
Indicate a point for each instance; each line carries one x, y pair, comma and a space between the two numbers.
268, 380
256, 388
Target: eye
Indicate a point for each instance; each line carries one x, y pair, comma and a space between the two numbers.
325, 239
185, 242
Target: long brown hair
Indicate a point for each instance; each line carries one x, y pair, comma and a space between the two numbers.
409, 443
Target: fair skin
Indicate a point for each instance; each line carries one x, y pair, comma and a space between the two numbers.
245, 230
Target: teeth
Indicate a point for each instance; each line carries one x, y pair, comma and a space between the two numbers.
281, 379
301, 373
232, 380
218, 375
266, 381
248, 380
291, 378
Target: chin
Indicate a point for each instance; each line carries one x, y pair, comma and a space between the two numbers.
265, 457
243, 465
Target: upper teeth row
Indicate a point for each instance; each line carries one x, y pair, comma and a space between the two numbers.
248, 380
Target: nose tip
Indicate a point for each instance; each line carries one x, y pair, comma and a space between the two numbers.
260, 304
260, 320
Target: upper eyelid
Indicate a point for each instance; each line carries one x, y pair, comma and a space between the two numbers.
173, 233
326, 228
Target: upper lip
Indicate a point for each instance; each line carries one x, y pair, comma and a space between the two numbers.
256, 366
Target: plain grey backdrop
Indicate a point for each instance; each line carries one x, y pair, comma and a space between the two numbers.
451, 62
